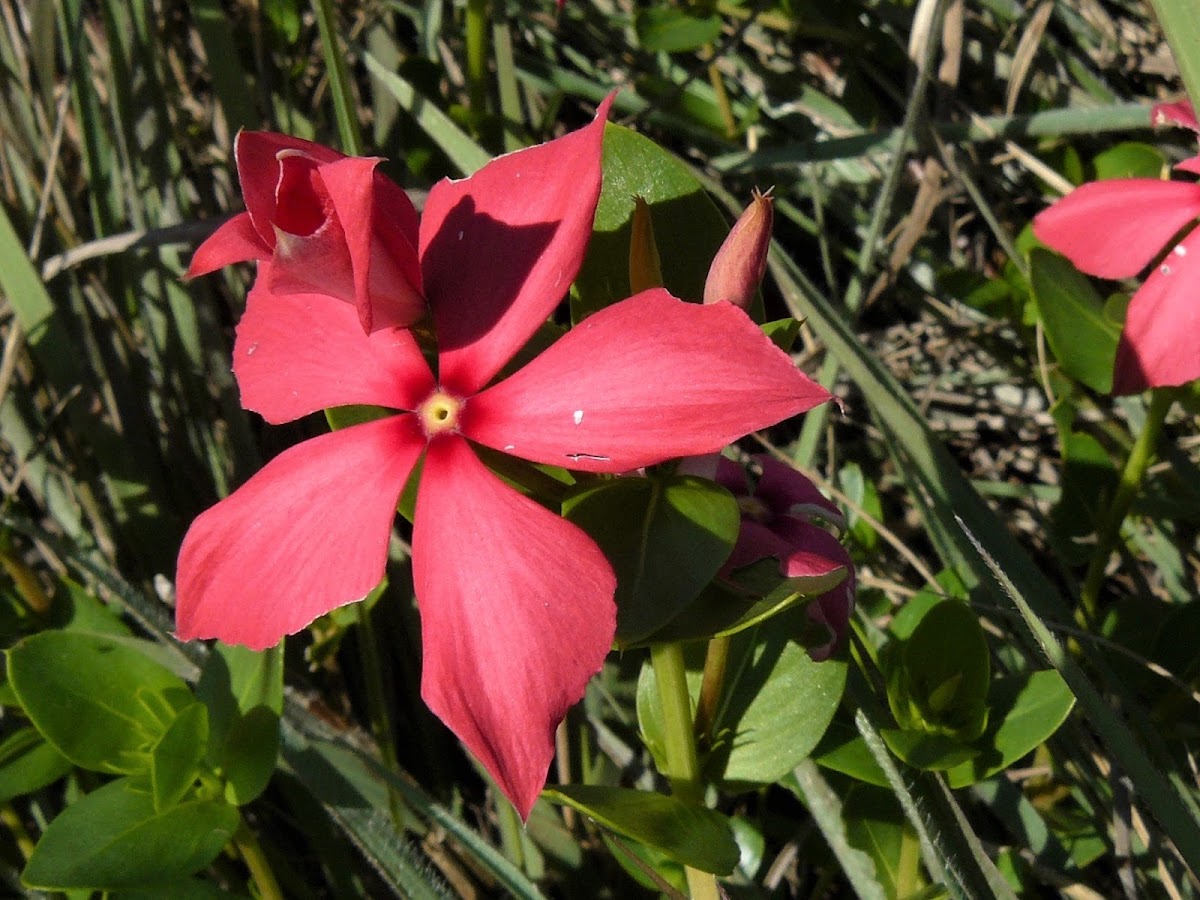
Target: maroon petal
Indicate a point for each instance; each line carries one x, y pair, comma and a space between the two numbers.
517, 614
788, 492
648, 379
500, 249
301, 353
305, 535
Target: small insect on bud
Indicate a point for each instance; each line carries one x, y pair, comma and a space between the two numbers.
645, 269
737, 269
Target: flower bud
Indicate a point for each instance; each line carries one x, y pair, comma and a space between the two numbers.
645, 268
738, 267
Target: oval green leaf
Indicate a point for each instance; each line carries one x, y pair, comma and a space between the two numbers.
251, 751
688, 227
113, 839
28, 763
175, 759
102, 703
691, 835
1083, 338
666, 537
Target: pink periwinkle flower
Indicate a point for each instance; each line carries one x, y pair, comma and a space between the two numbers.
327, 223
779, 515
1115, 229
516, 603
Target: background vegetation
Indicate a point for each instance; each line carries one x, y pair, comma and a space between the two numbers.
908, 144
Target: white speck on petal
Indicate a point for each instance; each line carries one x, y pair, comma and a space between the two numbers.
577, 416
460, 235
1165, 269
508, 447
1180, 250
250, 350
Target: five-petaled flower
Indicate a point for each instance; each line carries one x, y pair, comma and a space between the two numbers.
778, 513
1115, 229
516, 603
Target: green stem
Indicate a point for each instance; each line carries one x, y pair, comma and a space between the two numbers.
256, 861
477, 59
1140, 457
716, 659
1181, 26
679, 744
344, 106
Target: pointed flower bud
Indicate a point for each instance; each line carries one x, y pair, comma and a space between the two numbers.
738, 267
645, 268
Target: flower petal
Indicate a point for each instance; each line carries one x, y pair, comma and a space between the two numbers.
1114, 228
386, 273
257, 154
1159, 346
234, 241
300, 353
788, 492
500, 249
308, 533
1179, 113
517, 614
647, 379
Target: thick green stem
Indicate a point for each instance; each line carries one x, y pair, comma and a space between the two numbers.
679, 744
1181, 26
1140, 457
477, 58
256, 861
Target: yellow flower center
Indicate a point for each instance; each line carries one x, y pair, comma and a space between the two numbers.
440, 413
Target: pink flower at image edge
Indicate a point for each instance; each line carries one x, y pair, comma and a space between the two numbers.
1115, 229
516, 603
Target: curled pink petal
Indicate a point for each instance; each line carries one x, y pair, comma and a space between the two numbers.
257, 155
1159, 346
386, 276
235, 241
1114, 228
499, 249
301, 353
306, 534
1179, 113
648, 379
517, 614
1191, 166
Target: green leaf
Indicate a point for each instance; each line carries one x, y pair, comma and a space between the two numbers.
251, 751
666, 538
28, 763
1083, 338
1130, 159
938, 678
175, 760
774, 710
669, 29
688, 228
782, 332
720, 611
75, 608
1088, 481
113, 839
922, 750
100, 701
1025, 710
691, 835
